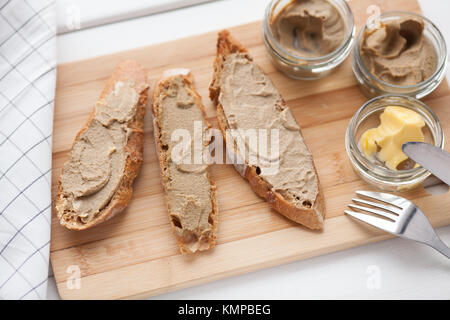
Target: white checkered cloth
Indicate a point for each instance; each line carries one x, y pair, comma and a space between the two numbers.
27, 89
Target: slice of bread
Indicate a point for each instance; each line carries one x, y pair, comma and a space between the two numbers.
246, 99
96, 181
191, 194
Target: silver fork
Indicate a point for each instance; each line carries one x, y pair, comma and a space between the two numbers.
404, 218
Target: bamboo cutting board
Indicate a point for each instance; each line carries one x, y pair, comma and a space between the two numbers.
135, 254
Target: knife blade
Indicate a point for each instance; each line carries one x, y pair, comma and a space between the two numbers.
432, 158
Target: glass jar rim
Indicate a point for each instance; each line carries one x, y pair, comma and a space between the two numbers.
348, 38
388, 173
430, 79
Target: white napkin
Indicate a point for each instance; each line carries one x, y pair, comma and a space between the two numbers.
27, 90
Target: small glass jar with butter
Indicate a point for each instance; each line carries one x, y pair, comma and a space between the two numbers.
404, 54
307, 40
380, 127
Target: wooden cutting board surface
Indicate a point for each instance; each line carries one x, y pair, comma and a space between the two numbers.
135, 254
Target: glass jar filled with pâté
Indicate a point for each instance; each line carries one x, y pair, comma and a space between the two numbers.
307, 39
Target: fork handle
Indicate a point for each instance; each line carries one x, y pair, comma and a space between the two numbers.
440, 246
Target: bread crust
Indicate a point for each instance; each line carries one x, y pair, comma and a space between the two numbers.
313, 217
125, 71
187, 78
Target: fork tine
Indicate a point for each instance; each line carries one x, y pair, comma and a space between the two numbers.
390, 208
374, 211
373, 221
383, 197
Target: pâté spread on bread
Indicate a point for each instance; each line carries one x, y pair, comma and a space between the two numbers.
399, 53
95, 183
309, 28
191, 194
247, 100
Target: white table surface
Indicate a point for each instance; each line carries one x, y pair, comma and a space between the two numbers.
391, 269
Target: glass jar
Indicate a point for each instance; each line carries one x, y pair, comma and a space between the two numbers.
373, 86
298, 67
368, 116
